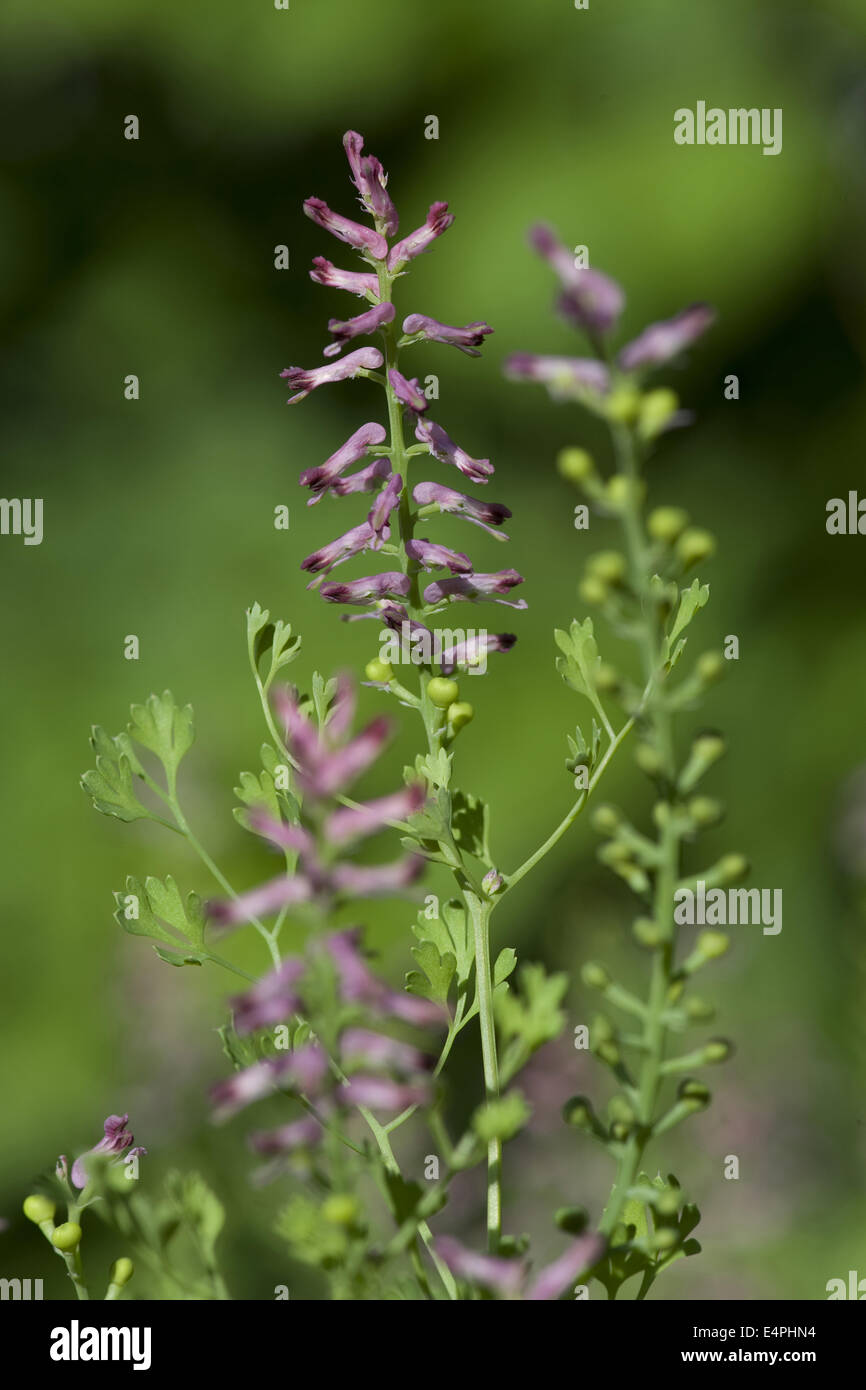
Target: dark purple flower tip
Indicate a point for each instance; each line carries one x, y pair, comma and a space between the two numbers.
437, 221
355, 281
663, 340
362, 1048
408, 393
554, 1279
591, 299
371, 182
343, 330
430, 557
390, 584
492, 1272
563, 376
351, 823
483, 514
468, 339
476, 586
116, 1139
473, 650
298, 1134
270, 1000
364, 239
303, 380
320, 478
336, 552
384, 505
381, 1093
443, 448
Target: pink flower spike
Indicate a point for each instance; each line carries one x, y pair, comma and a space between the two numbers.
371, 182
661, 341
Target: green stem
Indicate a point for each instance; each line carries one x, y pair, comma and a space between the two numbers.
479, 912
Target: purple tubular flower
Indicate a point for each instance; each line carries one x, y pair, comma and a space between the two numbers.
408, 393
359, 327
468, 339
262, 901
483, 514
355, 281
491, 1271
354, 234
302, 1071
563, 376
552, 1281
299, 1134
351, 823
320, 478
430, 556
381, 1093
390, 584
442, 447
343, 548
358, 984
323, 768
271, 999
371, 182
377, 880
366, 479
293, 837
661, 341
437, 221
590, 299
116, 1139
388, 499
475, 586
363, 1047
471, 652
303, 381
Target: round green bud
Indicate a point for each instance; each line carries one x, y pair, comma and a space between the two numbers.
675, 991
609, 1053
38, 1208
67, 1237
713, 944
664, 1239
606, 678
578, 1113
121, 1271
601, 1029
718, 1050
605, 820
710, 667
708, 748
575, 465
619, 1130
732, 867
459, 714
704, 810
616, 852
647, 933
667, 1203
380, 672
621, 490
442, 691
594, 976
608, 566
592, 590
623, 404
694, 1091
648, 759
661, 814
574, 1220
698, 1010
341, 1209
667, 523
656, 409
618, 1108
694, 546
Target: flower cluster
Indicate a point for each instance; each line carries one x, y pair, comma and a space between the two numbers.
395, 596
117, 1142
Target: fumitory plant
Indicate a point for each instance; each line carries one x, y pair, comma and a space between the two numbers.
352, 1071
644, 592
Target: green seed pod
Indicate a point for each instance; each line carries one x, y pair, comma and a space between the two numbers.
648, 759
718, 1050
694, 546
695, 1092
623, 404
698, 1010
67, 1236
574, 1220
594, 976
442, 691
731, 868
621, 491
704, 810
121, 1271
341, 1209
713, 944
579, 1114
620, 1131
576, 465
38, 1208
667, 523
592, 590
605, 820
656, 409
608, 566
710, 667
380, 672
460, 714
647, 932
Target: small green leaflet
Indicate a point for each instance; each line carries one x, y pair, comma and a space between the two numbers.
199, 1210
444, 952
163, 728
109, 784
272, 640
692, 601
580, 661
151, 908
323, 694
582, 754
501, 1118
532, 1013
469, 823
435, 768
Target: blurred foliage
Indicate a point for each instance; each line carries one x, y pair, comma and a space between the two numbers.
156, 258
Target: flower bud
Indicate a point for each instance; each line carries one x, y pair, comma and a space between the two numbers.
609, 1052
623, 404
618, 1108
605, 820
656, 409
579, 1114
492, 882
608, 566
575, 465
67, 1236
706, 750
594, 976
38, 1208
698, 1010
121, 1271
694, 546
695, 1092
648, 759
621, 491
620, 1131
713, 944
647, 932
710, 667
675, 991
592, 590
442, 691
667, 523
731, 868
380, 672
341, 1209
460, 713
704, 810
717, 1050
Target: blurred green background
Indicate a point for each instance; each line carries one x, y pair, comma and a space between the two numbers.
156, 258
